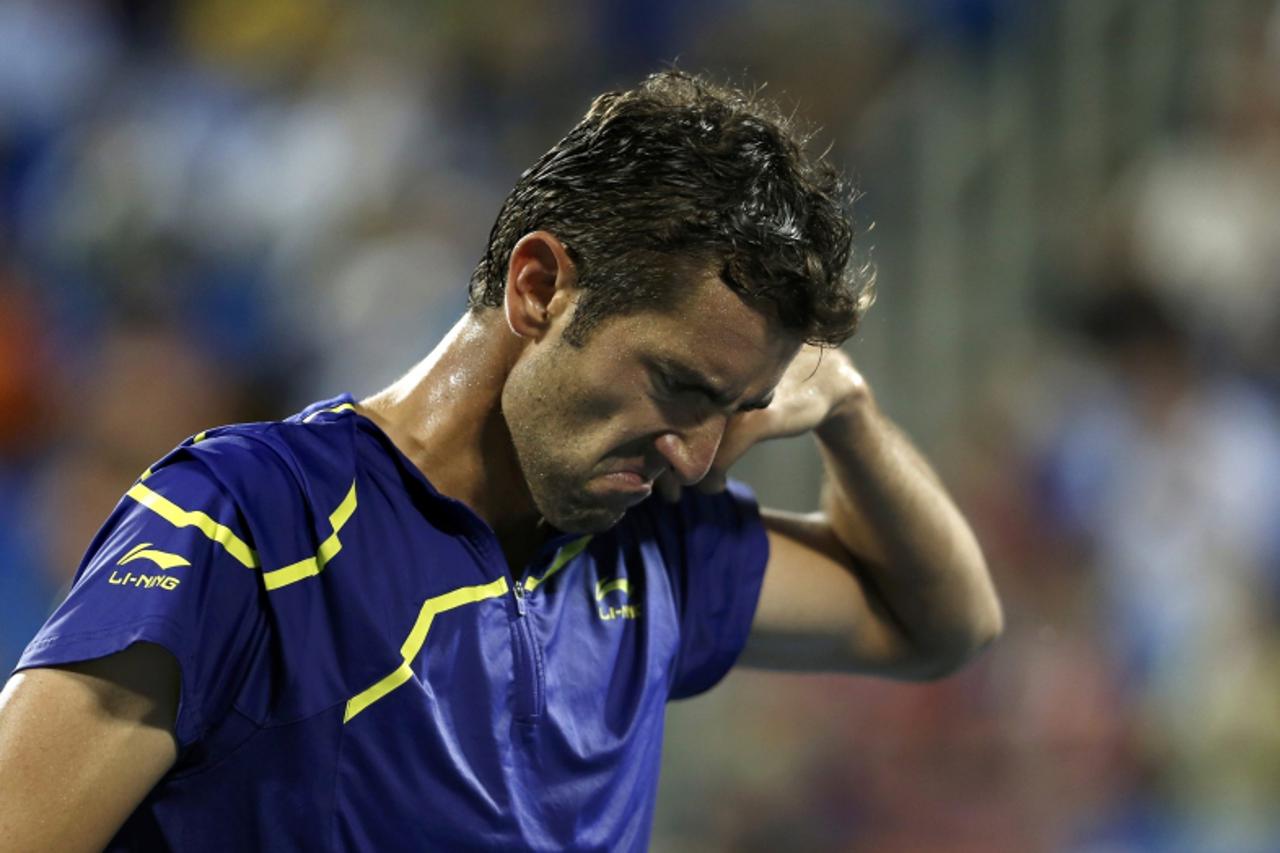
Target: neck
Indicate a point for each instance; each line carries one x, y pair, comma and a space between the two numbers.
445, 415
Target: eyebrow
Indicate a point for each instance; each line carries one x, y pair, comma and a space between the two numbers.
694, 379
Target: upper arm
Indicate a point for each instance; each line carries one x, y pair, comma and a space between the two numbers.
173, 566
816, 612
81, 745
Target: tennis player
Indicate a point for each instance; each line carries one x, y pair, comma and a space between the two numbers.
449, 616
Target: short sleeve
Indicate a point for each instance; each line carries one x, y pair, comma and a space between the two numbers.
716, 571
171, 566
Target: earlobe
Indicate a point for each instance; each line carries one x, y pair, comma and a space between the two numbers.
539, 270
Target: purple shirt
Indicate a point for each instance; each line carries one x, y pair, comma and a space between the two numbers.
360, 669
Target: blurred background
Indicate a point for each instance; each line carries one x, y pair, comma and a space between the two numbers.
220, 210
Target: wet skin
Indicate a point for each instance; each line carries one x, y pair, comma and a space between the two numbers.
593, 427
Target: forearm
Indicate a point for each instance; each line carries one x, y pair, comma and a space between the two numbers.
908, 540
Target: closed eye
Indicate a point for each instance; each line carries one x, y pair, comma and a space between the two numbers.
669, 386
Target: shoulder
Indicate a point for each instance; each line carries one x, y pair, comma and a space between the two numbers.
700, 532
713, 549
259, 464
276, 485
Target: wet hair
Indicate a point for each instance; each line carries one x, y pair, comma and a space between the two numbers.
680, 176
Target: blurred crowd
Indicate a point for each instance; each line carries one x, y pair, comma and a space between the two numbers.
218, 211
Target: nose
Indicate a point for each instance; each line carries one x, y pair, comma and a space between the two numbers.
690, 452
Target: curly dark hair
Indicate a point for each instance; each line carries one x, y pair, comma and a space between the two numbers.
681, 174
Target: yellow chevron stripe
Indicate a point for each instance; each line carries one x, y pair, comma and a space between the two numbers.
365, 698
563, 556
341, 407
329, 548
412, 645
179, 517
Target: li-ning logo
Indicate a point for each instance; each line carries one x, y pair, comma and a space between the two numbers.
615, 587
163, 559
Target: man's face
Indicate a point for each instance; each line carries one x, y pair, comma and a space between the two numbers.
649, 392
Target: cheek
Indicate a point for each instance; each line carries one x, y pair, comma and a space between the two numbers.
605, 404
578, 415
623, 415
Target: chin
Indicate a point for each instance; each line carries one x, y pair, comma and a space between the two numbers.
588, 522
584, 518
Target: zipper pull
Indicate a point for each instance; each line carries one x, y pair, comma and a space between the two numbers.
518, 589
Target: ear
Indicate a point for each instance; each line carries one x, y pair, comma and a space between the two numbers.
541, 278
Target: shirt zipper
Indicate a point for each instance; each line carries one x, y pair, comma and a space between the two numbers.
528, 662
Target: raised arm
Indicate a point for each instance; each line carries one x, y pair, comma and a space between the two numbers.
888, 578
81, 745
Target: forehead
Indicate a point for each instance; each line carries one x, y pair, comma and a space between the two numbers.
712, 329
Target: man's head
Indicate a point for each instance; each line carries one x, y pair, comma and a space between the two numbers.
650, 392
680, 173
663, 264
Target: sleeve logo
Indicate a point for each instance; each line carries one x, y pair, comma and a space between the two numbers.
620, 591
163, 559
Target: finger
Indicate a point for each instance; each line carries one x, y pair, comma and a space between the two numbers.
743, 433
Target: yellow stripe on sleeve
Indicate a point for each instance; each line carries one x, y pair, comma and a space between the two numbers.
341, 407
179, 517
412, 645
329, 548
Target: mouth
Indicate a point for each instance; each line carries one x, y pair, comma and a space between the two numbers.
632, 482
629, 481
